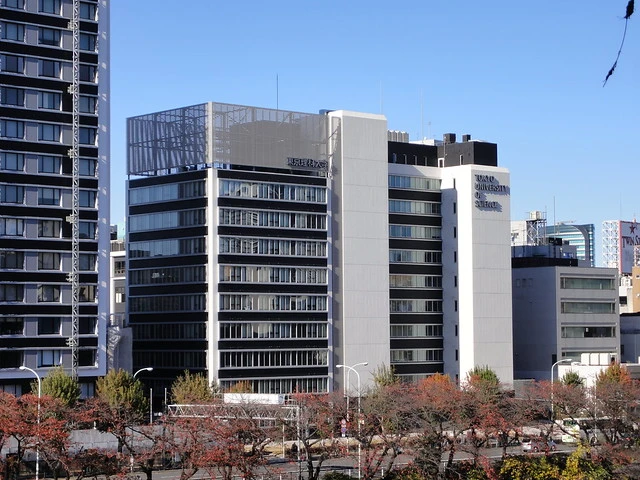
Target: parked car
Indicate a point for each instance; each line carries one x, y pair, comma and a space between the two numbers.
530, 445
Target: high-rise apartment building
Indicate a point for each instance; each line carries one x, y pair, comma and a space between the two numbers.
271, 247
54, 246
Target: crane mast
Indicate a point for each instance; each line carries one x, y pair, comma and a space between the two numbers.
74, 218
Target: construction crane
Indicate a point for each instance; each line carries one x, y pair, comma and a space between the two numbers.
74, 218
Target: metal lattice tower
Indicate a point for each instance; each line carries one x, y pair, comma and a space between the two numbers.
610, 243
74, 218
536, 228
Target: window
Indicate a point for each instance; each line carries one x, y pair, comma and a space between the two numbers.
120, 294
50, 6
87, 136
48, 132
588, 332
50, 68
11, 292
12, 129
48, 293
119, 267
49, 100
87, 357
11, 325
49, 36
87, 293
49, 228
588, 307
14, 4
87, 11
48, 196
12, 96
48, 261
12, 193
88, 73
13, 64
49, 325
88, 230
49, 164
587, 283
13, 31
11, 259
49, 358
88, 167
87, 262
88, 104
87, 42
10, 359
12, 227
88, 198
12, 161
87, 326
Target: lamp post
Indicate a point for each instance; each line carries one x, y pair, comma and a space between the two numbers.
146, 369
352, 368
22, 367
564, 360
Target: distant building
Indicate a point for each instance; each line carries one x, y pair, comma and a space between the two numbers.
580, 236
270, 246
560, 310
621, 245
118, 333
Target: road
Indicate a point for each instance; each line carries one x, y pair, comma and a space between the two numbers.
282, 469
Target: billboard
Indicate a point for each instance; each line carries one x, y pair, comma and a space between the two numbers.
628, 238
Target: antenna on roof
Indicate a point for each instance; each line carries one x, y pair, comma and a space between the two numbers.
381, 99
421, 115
277, 93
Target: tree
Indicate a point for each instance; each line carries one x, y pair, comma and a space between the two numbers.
191, 389
240, 387
120, 408
59, 385
572, 378
385, 376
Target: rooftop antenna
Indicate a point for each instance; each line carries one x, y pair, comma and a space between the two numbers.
381, 99
421, 115
277, 93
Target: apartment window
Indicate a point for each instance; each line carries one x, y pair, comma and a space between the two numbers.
588, 332
49, 325
87, 293
12, 260
87, 136
50, 6
88, 104
11, 325
11, 292
13, 31
12, 129
87, 73
49, 36
48, 132
87, 262
49, 358
88, 167
49, 164
13, 64
10, 359
48, 196
48, 293
88, 11
14, 4
88, 230
88, 198
87, 326
87, 42
120, 294
48, 261
87, 357
50, 68
49, 100
12, 193
49, 228
11, 227
12, 161
12, 96
119, 267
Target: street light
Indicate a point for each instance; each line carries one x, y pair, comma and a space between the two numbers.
147, 369
352, 368
22, 367
564, 360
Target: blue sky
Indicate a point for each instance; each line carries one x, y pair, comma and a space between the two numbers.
525, 75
